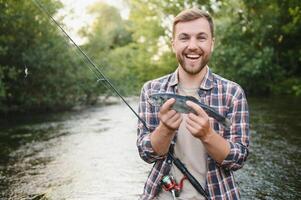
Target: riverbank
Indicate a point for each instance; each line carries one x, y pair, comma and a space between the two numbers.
15, 117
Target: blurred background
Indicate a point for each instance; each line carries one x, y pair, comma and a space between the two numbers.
50, 99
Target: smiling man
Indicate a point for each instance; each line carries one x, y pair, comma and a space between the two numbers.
209, 151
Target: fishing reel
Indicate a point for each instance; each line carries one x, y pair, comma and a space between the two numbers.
169, 184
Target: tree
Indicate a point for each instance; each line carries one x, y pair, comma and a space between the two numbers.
257, 48
107, 44
29, 40
255, 40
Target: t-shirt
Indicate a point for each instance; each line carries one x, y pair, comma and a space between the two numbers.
192, 153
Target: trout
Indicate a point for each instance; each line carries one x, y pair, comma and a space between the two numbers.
158, 99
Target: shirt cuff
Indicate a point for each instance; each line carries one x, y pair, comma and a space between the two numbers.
148, 152
232, 157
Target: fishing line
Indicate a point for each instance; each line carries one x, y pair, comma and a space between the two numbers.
95, 69
84, 62
78, 60
101, 76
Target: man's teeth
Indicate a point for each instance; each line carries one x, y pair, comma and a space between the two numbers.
192, 56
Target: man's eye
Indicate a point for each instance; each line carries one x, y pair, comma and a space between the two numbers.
202, 38
183, 38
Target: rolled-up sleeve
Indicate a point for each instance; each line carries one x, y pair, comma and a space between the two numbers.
238, 135
149, 116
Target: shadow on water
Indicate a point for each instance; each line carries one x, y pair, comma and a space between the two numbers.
92, 155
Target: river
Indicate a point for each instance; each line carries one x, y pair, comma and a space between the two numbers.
91, 154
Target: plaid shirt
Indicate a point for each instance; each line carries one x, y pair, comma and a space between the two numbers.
229, 100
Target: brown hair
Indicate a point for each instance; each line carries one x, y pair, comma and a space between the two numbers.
192, 14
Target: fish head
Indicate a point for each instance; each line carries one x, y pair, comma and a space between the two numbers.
157, 99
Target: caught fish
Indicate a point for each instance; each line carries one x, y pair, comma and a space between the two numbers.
158, 99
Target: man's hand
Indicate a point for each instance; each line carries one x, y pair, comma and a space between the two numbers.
198, 124
169, 119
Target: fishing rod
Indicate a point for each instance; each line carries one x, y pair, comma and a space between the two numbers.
101, 77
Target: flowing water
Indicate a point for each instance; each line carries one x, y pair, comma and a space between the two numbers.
91, 154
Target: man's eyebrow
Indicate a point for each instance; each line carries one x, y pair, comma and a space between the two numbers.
202, 33
188, 35
183, 34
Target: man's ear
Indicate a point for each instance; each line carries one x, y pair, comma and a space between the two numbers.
172, 45
212, 45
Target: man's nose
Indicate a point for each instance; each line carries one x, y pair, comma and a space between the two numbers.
192, 44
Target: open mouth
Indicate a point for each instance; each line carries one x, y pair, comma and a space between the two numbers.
192, 56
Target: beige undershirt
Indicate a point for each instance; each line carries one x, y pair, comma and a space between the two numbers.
192, 153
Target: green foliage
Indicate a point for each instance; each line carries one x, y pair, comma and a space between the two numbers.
29, 40
107, 39
256, 48
256, 45
255, 40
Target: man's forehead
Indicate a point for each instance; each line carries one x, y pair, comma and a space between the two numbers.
196, 26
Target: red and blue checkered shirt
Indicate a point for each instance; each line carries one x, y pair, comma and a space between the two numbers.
229, 100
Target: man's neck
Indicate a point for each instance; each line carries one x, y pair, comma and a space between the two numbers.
191, 81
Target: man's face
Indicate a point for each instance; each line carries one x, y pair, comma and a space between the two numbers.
193, 44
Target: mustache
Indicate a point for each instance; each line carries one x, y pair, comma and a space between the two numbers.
195, 51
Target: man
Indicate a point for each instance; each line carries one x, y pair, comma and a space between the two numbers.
209, 151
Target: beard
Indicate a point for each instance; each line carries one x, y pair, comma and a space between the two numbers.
195, 68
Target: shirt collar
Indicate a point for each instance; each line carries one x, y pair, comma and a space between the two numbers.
206, 84
174, 79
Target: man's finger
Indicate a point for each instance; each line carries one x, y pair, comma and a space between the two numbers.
167, 105
179, 120
191, 129
193, 122
196, 118
197, 108
172, 122
175, 118
169, 115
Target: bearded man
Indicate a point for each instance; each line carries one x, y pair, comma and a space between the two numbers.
209, 151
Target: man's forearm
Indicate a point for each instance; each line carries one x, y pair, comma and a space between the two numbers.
161, 138
217, 146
